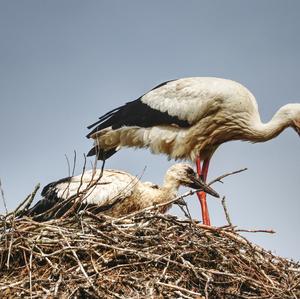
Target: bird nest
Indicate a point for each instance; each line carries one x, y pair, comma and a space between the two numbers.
143, 255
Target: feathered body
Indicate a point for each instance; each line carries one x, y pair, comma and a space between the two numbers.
186, 118
116, 192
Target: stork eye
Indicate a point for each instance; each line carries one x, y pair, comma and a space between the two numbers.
190, 172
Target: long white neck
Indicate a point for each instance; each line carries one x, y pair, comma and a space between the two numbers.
260, 132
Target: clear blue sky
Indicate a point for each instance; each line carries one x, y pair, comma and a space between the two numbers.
64, 63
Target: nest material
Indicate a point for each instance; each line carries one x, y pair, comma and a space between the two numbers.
145, 255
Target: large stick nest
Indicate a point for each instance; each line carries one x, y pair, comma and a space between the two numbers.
145, 255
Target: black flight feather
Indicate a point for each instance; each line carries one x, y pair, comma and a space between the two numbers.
134, 113
41, 211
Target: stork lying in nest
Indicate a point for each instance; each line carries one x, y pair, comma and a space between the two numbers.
113, 192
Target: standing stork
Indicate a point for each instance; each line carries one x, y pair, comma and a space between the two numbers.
114, 192
188, 119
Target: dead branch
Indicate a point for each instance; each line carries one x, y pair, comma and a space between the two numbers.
3, 197
226, 212
219, 179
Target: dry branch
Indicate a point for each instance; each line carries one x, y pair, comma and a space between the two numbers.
3, 197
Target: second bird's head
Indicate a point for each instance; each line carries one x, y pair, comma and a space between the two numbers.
185, 175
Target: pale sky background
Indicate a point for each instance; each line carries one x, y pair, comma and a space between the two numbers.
65, 63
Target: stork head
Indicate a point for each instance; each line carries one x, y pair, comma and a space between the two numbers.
183, 174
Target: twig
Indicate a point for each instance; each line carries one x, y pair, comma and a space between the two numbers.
208, 280
182, 204
3, 197
180, 289
226, 212
188, 193
68, 164
30, 274
9, 252
268, 231
30, 199
26, 203
219, 179
74, 163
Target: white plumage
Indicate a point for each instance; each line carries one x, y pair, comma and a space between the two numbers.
215, 111
192, 99
116, 192
112, 184
188, 119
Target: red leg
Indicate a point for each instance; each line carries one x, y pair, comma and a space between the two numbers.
202, 195
198, 164
205, 169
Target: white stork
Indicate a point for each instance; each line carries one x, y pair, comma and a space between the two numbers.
115, 192
188, 119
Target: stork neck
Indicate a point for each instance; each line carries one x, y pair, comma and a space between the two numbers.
171, 184
266, 131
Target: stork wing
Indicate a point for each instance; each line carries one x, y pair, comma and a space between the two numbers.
136, 113
95, 189
103, 191
179, 102
189, 99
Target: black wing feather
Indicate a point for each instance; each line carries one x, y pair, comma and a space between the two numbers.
49, 201
111, 113
42, 210
136, 113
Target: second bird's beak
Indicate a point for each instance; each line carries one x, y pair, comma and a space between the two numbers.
199, 184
